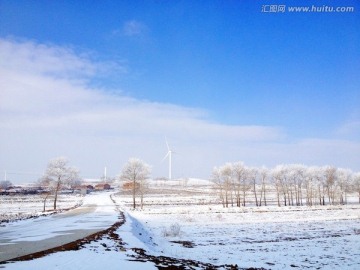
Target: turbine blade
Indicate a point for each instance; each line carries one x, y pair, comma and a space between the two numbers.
167, 154
167, 145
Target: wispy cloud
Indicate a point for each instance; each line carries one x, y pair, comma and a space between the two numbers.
132, 28
48, 108
29, 57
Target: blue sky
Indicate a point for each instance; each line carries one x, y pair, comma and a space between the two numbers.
233, 64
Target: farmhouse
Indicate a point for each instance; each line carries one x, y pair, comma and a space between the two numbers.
102, 186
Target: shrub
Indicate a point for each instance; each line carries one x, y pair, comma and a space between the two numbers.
173, 231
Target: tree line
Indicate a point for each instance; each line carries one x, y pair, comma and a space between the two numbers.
294, 184
235, 183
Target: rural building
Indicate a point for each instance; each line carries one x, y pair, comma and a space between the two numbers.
102, 187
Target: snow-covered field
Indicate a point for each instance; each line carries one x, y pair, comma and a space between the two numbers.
13, 207
326, 237
103, 253
187, 222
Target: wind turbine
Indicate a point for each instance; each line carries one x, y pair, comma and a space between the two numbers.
168, 154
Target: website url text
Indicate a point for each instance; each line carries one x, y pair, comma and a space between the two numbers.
319, 9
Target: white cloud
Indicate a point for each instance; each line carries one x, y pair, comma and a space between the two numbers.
134, 28
29, 57
48, 111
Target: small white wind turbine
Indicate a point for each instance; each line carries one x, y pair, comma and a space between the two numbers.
168, 154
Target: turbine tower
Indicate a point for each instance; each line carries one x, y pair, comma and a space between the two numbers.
168, 154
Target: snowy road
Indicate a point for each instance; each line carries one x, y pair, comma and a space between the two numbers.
97, 213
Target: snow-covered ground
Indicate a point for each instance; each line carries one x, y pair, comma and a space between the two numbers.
13, 207
102, 254
18, 238
326, 237
308, 238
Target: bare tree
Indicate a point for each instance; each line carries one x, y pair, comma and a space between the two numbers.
320, 182
294, 183
330, 180
281, 184
252, 176
226, 176
343, 183
135, 174
223, 178
219, 185
75, 183
245, 184
45, 195
264, 173
356, 183
296, 175
57, 175
310, 182
239, 175
288, 184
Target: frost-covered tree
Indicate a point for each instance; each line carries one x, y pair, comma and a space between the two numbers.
227, 181
75, 183
356, 183
57, 175
134, 175
320, 182
311, 185
233, 180
251, 174
219, 185
279, 178
246, 183
239, 176
5, 184
330, 182
343, 184
296, 175
264, 175
295, 184
223, 179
